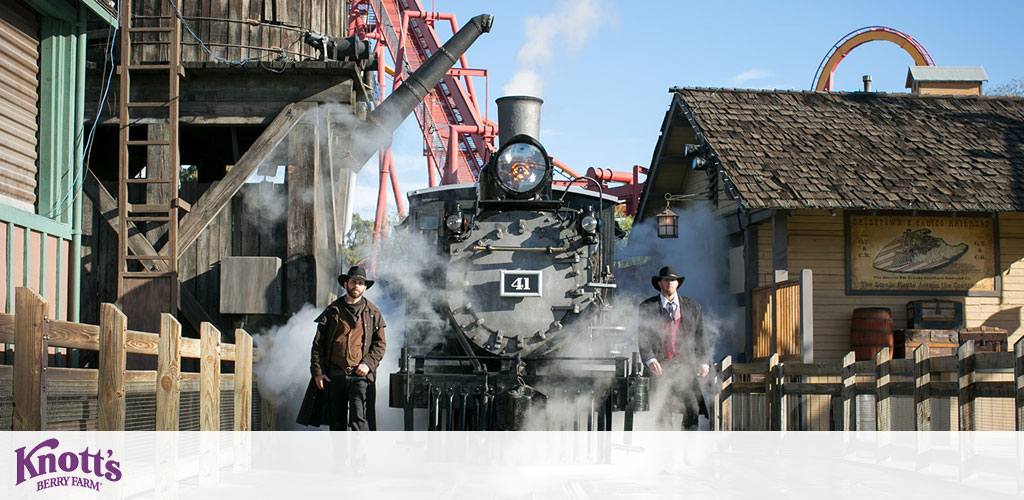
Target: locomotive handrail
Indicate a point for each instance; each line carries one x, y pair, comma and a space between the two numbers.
492, 248
453, 358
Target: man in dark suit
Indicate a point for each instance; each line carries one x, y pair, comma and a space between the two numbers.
674, 350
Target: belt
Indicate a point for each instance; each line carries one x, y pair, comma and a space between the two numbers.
351, 370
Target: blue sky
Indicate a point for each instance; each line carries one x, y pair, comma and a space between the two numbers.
605, 85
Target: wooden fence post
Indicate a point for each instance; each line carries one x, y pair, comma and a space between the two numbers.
209, 378
782, 408
111, 387
966, 377
849, 394
1018, 376
772, 393
243, 380
922, 389
807, 315
883, 406
725, 397
168, 374
268, 415
29, 361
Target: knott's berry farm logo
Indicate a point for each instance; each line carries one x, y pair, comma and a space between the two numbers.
46, 460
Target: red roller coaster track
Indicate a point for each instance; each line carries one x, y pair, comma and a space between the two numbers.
823, 76
457, 140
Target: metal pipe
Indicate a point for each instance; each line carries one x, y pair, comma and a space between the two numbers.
462, 412
394, 184
492, 248
383, 120
564, 168
434, 409
607, 175
450, 415
75, 278
518, 115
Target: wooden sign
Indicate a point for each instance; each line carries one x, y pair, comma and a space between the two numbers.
913, 255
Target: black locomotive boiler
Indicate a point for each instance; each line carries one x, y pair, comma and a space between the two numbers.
518, 331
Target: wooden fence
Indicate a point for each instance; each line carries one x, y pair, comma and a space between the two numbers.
103, 392
985, 389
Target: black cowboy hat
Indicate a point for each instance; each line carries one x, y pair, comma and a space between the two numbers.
355, 272
666, 273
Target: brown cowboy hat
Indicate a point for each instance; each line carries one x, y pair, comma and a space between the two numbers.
355, 272
666, 273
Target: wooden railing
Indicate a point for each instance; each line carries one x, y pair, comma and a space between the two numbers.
781, 319
33, 334
927, 384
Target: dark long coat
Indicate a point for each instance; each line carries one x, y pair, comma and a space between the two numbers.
692, 344
314, 410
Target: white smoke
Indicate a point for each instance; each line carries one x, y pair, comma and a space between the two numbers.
701, 255
565, 30
283, 369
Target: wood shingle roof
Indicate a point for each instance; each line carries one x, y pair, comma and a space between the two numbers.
789, 149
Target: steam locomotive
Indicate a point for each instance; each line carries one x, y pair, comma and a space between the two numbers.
519, 334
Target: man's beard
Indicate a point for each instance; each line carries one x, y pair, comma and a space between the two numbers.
354, 294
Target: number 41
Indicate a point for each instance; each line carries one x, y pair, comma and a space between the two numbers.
521, 283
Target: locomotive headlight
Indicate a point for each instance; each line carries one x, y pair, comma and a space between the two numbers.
521, 167
454, 222
589, 224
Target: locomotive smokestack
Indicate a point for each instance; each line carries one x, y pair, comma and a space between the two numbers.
386, 117
518, 114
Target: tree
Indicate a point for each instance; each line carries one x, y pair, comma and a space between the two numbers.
1014, 87
358, 241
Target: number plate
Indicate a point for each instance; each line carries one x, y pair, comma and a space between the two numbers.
520, 284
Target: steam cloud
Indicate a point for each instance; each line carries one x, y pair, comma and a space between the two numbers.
283, 369
701, 255
408, 283
567, 28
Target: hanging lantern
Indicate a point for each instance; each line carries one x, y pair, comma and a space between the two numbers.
668, 224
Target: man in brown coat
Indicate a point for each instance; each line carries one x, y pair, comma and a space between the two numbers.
347, 349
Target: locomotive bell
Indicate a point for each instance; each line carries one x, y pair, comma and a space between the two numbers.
518, 114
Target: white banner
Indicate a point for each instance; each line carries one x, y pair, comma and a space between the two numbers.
530, 465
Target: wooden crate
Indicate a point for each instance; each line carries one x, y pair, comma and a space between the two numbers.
986, 338
940, 342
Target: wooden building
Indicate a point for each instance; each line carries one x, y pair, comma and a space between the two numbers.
42, 82
946, 80
251, 98
885, 198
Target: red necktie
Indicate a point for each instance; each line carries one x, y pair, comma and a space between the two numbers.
671, 328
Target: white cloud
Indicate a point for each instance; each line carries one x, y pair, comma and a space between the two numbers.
750, 74
564, 30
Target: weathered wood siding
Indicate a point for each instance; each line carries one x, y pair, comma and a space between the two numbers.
817, 242
19, 104
238, 30
1004, 311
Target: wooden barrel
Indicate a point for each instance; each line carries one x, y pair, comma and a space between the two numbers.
870, 331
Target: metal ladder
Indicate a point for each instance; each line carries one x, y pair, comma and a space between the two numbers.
135, 271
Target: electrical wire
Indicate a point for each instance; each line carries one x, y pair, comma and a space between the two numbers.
61, 207
203, 44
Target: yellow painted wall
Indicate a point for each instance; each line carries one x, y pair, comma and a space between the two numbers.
816, 242
947, 88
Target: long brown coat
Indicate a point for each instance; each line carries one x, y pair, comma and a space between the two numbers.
314, 410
